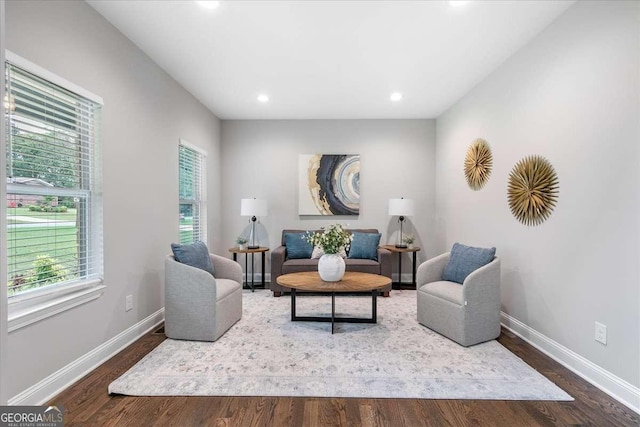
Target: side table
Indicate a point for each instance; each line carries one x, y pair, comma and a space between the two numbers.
261, 250
400, 251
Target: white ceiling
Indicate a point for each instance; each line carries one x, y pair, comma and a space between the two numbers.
329, 59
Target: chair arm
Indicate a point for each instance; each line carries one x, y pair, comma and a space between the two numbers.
482, 286
226, 268
432, 269
278, 257
384, 258
188, 286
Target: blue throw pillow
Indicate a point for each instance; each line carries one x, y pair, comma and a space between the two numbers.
365, 246
465, 260
195, 255
297, 247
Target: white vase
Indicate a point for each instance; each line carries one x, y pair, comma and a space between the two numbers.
331, 267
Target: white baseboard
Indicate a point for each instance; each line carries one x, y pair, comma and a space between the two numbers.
257, 278
407, 278
49, 387
614, 386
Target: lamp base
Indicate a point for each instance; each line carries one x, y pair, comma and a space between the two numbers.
397, 246
252, 247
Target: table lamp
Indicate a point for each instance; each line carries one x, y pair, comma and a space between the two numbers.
401, 207
253, 208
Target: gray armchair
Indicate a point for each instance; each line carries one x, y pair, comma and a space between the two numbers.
469, 313
198, 306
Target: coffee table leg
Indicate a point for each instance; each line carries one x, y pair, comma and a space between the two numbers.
333, 318
374, 306
333, 310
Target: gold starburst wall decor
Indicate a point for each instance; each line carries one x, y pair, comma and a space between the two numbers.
477, 164
533, 190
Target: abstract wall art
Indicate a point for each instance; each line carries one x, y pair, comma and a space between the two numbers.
329, 184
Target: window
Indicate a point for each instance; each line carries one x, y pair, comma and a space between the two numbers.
54, 227
193, 206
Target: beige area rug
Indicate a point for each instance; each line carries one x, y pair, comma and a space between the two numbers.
265, 354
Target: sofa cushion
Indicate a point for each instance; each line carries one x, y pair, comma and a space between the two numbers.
297, 246
298, 265
365, 246
362, 265
195, 255
464, 260
449, 291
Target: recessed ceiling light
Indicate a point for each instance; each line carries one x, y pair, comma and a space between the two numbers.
263, 98
458, 2
208, 4
396, 96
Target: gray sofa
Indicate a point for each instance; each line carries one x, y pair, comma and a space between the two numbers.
280, 264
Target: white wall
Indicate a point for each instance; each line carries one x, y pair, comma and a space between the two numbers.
571, 95
145, 114
260, 159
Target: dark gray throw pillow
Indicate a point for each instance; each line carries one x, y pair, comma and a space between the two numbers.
297, 246
465, 260
195, 255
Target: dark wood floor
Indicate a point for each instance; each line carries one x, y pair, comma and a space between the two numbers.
87, 403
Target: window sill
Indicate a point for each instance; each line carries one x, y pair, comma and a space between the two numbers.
24, 312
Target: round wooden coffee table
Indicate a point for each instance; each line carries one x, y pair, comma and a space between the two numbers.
351, 282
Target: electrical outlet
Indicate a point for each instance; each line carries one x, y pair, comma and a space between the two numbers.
601, 333
128, 303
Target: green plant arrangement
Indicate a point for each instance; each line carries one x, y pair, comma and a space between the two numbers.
331, 240
409, 239
241, 240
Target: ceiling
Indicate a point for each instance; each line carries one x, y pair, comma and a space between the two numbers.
329, 59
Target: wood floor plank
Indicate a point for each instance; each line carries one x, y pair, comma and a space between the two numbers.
311, 413
87, 403
367, 415
383, 413
282, 414
352, 412
430, 412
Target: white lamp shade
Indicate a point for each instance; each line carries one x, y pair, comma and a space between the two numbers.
253, 207
401, 207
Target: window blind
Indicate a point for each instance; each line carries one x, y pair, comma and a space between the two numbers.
193, 207
54, 234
